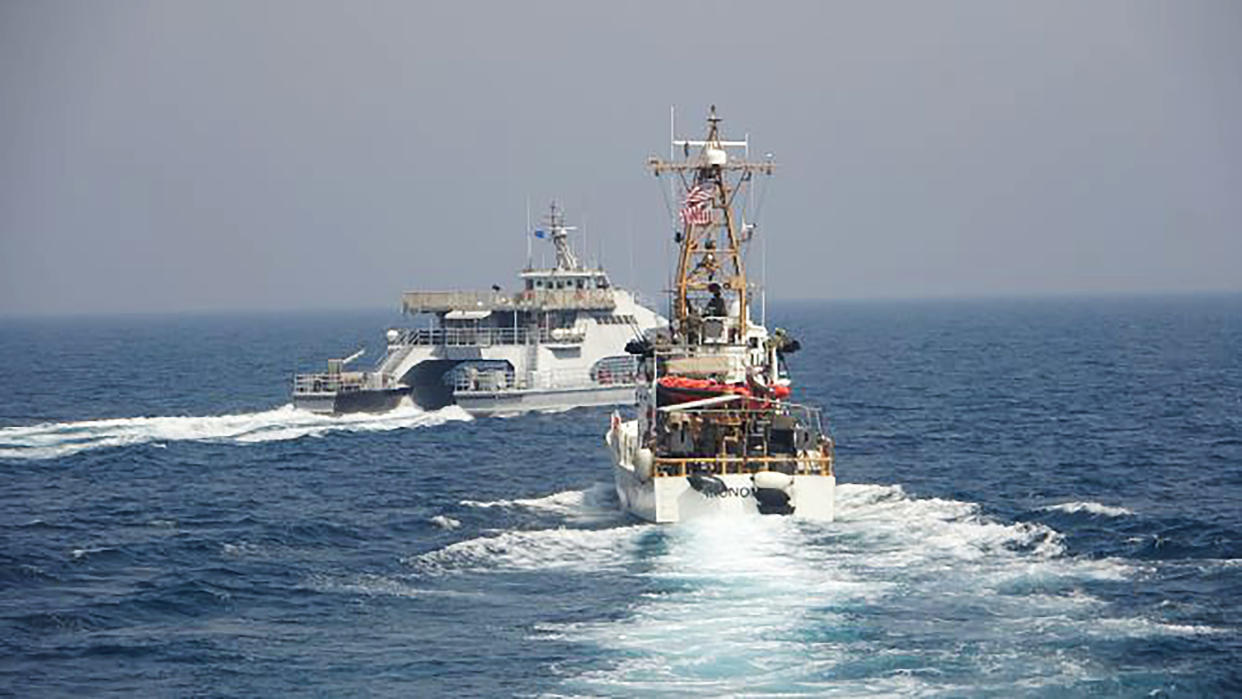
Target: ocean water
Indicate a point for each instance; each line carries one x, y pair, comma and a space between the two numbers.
1036, 497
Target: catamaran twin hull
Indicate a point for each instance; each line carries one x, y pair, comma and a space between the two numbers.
480, 403
340, 402
665, 493
477, 403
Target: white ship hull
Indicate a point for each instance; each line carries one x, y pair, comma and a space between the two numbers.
674, 498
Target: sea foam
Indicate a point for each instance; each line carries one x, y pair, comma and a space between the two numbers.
771, 604
597, 502
53, 440
1091, 508
541, 550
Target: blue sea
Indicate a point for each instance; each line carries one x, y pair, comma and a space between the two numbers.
1036, 497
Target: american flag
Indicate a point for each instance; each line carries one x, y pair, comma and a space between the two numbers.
697, 208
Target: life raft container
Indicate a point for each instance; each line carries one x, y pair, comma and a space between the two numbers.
671, 390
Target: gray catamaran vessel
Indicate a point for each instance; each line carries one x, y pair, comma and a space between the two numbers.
557, 343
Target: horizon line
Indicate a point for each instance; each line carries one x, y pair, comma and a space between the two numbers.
883, 298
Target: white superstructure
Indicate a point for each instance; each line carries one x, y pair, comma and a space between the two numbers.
556, 343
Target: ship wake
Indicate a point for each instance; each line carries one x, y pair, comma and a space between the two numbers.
901, 594
54, 440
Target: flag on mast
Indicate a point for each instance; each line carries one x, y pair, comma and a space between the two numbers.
697, 208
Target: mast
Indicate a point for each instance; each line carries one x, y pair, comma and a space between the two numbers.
710, 267
559, 232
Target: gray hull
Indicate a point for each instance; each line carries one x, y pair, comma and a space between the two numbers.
512, 402
366, 401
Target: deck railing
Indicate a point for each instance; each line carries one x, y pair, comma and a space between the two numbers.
807, 463
531, 300
742, 440
808, 417
549, 379
347, 382
486, 337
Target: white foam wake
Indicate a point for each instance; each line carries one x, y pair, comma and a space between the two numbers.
52, 440
1091, 508
597, 503
900, 595
563, 549
882, 601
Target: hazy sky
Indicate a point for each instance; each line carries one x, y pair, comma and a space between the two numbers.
199, 155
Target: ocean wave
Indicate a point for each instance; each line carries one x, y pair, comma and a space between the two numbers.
538, 550
444, 522
1140, 627
53, 440
81, 553
373, 585
1091, 508
597, 501
946, 527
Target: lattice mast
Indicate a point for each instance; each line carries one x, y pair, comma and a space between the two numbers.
711, 260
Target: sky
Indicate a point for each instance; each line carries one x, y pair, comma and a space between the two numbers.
170, 156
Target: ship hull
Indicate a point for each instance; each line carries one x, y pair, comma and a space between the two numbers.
513, 402
364, 401
477, 403
666, 499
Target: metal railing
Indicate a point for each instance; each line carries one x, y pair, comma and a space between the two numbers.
806, 463
742, 440
345, 382
549, 379
805, 416
483, 380
534, 299
618, 369
471, 337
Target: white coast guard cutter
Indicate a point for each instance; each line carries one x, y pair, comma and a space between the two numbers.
715, 432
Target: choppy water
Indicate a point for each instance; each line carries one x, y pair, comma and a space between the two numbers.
1037, 497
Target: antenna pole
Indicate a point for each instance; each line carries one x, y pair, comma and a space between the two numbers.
763, 246
672, 190
529, 233
672, 131
763, 293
